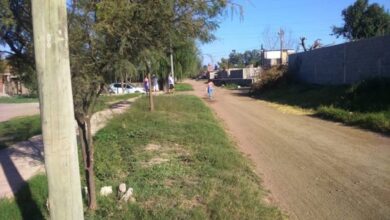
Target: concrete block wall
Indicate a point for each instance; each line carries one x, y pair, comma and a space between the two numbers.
344, 63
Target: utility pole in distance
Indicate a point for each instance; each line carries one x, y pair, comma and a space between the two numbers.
281, 36
57, 113
149, 68
171, 56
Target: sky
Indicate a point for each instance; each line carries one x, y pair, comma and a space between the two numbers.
262, 20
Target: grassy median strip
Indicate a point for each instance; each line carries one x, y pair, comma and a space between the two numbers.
18, 99
105, 101
180, 164
180, 87
22, 128
19, 129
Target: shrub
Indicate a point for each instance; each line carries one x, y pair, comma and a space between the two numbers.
368, 95
271, 78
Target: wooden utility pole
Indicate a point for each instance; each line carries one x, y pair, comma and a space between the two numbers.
56, 103
171, 57
281, 36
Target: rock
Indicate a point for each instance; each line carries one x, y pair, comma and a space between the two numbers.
122, 188
86, 191
48, 205
106, 190
128, 196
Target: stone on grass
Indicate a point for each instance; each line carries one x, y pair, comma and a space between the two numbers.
106, 190
122, 187
86, 191
128, 196
121, 190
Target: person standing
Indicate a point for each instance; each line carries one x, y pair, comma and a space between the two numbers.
146, 84
210, 89
155, 83
171, 83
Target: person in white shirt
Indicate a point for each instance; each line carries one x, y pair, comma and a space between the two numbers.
171, 83
155, 83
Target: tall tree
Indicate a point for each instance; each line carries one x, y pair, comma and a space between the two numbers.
106, 40
240, 60
16, 34
363, 20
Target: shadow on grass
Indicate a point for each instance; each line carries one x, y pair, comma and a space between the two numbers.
28, 207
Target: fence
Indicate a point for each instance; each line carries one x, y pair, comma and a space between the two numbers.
343, 64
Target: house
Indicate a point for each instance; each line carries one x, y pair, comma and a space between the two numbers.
272, 57
10, 84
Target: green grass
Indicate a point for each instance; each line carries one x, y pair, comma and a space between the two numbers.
365, 104
183, 87
18, 99
19, 129
22, 128
30, 201
231, 86
201, 174
105, 101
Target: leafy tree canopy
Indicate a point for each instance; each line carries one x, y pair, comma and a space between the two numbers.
240, 60
363, 20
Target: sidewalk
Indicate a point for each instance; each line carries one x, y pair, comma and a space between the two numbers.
23, 160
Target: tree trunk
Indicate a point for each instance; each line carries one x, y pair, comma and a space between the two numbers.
57, 114
91, 174
87, 150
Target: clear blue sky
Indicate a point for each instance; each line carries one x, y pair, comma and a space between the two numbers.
312, 19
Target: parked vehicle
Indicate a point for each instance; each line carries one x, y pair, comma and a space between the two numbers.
242, 77
116, 88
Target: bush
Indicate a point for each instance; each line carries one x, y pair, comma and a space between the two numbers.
368, 95
271, 78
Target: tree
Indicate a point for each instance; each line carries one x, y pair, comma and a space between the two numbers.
108, 39
363, 20
271, 39
16, 33
240, 60
316, 44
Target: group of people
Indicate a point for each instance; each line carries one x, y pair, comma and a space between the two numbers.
155, 86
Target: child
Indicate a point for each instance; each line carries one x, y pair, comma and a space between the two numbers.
171, 83
146, 85
210, 89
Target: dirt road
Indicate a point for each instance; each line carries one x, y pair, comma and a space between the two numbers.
314, 169
8, 111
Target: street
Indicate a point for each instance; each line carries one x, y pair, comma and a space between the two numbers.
8, 111
314, 169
